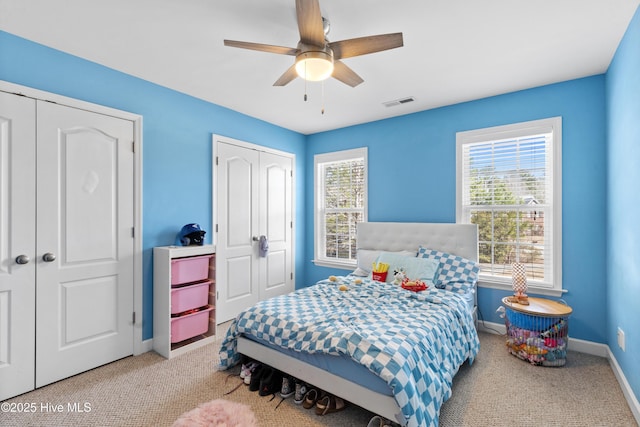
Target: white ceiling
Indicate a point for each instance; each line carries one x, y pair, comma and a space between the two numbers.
453, 51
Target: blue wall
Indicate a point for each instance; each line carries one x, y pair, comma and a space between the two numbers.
412, 177
623, 226
177, 132
412, 170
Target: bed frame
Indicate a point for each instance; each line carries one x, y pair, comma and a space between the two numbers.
458, 239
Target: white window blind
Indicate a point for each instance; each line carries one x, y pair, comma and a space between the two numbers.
341, 201
507, 183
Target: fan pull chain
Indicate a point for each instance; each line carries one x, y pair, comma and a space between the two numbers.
322, 111
305, 81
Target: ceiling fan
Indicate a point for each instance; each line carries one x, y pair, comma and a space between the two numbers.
316, 57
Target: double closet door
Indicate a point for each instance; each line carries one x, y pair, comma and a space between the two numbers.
66, 243
254, 201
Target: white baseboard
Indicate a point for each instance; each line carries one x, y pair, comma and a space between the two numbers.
582, 346
147, 345
491, 328
588, 347
634, 405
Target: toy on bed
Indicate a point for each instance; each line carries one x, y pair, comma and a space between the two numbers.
342, 286
399, 276
379, 271
414, 285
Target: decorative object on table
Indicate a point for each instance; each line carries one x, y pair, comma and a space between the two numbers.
379, 272
218, 412
191, 235
519, 283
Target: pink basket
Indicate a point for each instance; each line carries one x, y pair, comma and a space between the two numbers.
190, 269
189, 297
190, 325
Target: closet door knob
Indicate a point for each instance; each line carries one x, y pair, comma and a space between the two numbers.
49, 257
22, 259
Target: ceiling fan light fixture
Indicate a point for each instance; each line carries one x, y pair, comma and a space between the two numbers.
314, 66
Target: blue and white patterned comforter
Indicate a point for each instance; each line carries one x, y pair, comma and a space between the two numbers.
416, 342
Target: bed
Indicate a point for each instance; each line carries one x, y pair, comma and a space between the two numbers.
386, 349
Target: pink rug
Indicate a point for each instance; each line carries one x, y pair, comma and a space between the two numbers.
219, 413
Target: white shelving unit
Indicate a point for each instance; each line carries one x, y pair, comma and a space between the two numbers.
162, 299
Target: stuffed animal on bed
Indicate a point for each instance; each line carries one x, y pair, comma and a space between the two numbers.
399, 276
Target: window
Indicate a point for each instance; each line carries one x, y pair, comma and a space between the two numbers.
340, 203
509, 184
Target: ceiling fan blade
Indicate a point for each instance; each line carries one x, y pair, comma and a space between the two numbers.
345, 74
310, 22
364, 45
287, 77
282, 50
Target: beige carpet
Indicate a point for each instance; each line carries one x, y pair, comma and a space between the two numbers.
497, 390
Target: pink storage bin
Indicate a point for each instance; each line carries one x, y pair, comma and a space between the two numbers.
190, 269
190, 325
189, 297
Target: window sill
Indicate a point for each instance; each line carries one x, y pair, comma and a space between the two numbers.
335, 264
532, 289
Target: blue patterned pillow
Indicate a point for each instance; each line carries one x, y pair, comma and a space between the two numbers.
456, 273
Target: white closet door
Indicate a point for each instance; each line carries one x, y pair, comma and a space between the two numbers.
85, 245
17, 239
254, 196
276, 222
236, 252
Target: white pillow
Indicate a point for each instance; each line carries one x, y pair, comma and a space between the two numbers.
360, 272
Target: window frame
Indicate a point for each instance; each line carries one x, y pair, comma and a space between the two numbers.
553, 287
320, 258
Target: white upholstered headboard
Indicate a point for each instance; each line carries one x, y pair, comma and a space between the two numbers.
457, 239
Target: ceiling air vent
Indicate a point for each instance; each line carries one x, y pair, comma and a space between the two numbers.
399, 101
